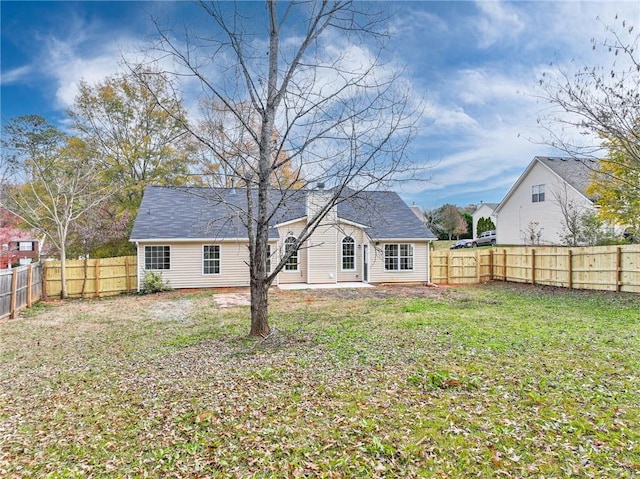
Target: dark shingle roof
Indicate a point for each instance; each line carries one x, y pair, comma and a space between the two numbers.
575, 171
216, 213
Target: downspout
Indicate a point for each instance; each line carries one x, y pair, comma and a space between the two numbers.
428, 262
138, 265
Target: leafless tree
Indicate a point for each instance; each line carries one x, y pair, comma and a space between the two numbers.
314, 72
596, 109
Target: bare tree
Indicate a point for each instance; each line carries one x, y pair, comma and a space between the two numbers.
314, 72
55, 180
572, 212
602, 104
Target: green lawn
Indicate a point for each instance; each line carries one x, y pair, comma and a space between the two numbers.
491, 381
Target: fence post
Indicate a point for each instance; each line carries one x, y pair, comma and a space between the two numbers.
478, 267
570, 269
446, 264
490, 265
127, 279
97, 281
504, 265
44, 280
618, 269
29, 285
14, 293
533, 266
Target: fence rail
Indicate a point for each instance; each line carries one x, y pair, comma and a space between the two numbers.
612, 268
93, 277
19, 288
609, 268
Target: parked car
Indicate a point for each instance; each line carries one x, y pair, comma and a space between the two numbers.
463, 243
486, 238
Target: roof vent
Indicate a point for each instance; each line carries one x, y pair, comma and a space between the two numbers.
320, 186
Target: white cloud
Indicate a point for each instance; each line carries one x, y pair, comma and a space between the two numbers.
498, 22
16, 75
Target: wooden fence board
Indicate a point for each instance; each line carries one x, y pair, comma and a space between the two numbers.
611, 268
19, 288
93, 277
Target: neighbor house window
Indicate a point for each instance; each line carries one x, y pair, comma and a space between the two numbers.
398, 257
537, 193
268, 258
25, 246
348, 254
211, 259
157, 257
292, 262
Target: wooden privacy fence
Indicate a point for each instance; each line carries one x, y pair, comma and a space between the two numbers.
19, 288
609, 268
93, 277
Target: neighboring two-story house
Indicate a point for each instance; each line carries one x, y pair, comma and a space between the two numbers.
16, 246
532, 207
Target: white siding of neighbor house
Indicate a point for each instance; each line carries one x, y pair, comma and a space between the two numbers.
420, 272
518, 210
186, 265
483, 211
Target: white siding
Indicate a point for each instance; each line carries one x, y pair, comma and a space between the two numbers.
299, 276
519, 210
358, 235
483, 211
420, 272
321, 255
186, 265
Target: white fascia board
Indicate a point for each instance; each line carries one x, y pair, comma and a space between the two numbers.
287, 223
191, 240
407, 240
516, 184
353, 223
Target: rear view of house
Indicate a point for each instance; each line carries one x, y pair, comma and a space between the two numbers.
197, 237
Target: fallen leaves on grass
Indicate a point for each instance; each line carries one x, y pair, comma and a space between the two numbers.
495, 381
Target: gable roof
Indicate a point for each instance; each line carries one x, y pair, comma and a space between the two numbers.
576, 172
491, 206
216, 213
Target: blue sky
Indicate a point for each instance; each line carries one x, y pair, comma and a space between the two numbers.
475, 65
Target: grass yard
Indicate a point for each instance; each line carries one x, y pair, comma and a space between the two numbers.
497, 380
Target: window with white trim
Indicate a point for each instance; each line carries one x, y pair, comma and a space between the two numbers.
211, 259
25, 246
398, 257
537, 193
157, 257
292, 262
348, 254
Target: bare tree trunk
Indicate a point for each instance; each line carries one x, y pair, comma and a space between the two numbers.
259, 308
63, 271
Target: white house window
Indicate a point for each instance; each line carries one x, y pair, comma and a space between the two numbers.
292, 262
398, 257
157, 257
537, 193
25, 246
348, 254
211, 259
